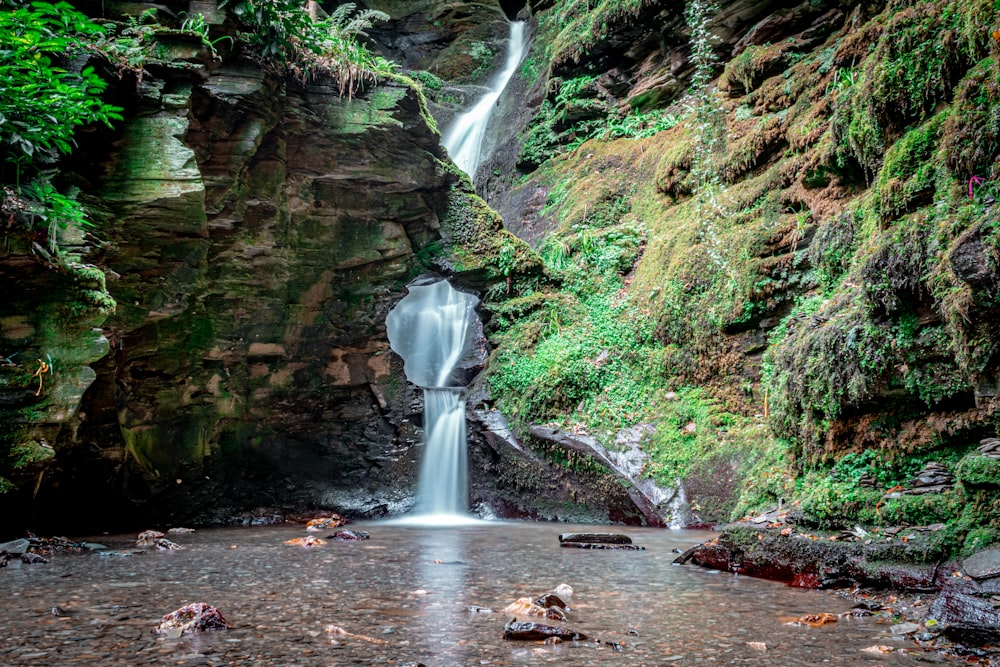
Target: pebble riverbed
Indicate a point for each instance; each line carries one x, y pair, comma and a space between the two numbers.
404, 596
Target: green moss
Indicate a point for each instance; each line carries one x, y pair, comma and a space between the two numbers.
477, 241
907, 177
976, 470
758, 62
978, 539
574, 27
972, 131
30, 452
673, 171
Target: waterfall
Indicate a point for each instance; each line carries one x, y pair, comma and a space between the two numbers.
429, 329
464, 138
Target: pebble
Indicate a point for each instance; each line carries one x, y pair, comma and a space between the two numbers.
904, 628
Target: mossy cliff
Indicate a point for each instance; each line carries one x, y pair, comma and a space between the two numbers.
773, 238
253, 231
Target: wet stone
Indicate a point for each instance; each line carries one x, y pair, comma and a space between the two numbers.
349, 536
528, 631
598, 545
983, 565
15, 547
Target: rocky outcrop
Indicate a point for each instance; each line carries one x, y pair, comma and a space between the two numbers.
963, 607
254, 232
258, 233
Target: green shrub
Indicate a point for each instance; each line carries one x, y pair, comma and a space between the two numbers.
42, 103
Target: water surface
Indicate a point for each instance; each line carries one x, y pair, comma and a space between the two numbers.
406, 593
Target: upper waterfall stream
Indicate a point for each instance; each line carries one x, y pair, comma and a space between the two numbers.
429, 329
464, 137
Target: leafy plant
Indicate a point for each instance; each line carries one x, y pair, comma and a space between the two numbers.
282, 32
42, 102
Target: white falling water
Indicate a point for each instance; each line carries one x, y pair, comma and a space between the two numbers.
464, 138
428, 329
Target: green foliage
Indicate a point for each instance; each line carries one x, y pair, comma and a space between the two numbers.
42, 102
972, 132
282, 32
832, 505
979, 538
127, 45
583, 352
978, 470
912, 67
907, 177
574, 27
832, 249
428, 80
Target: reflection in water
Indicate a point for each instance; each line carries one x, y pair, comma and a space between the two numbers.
405, 595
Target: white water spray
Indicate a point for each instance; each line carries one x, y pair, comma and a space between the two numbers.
428, 329
464, 138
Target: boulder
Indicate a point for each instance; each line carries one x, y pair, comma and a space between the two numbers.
528, 607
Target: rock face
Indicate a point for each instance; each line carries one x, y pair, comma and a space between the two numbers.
260, 234
255, 233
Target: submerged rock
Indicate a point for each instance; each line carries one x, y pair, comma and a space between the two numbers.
308, 541
528, 631
348, 536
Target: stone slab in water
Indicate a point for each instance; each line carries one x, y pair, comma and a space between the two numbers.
527, 631
601, 545
603, 538
983, 565
15, 547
